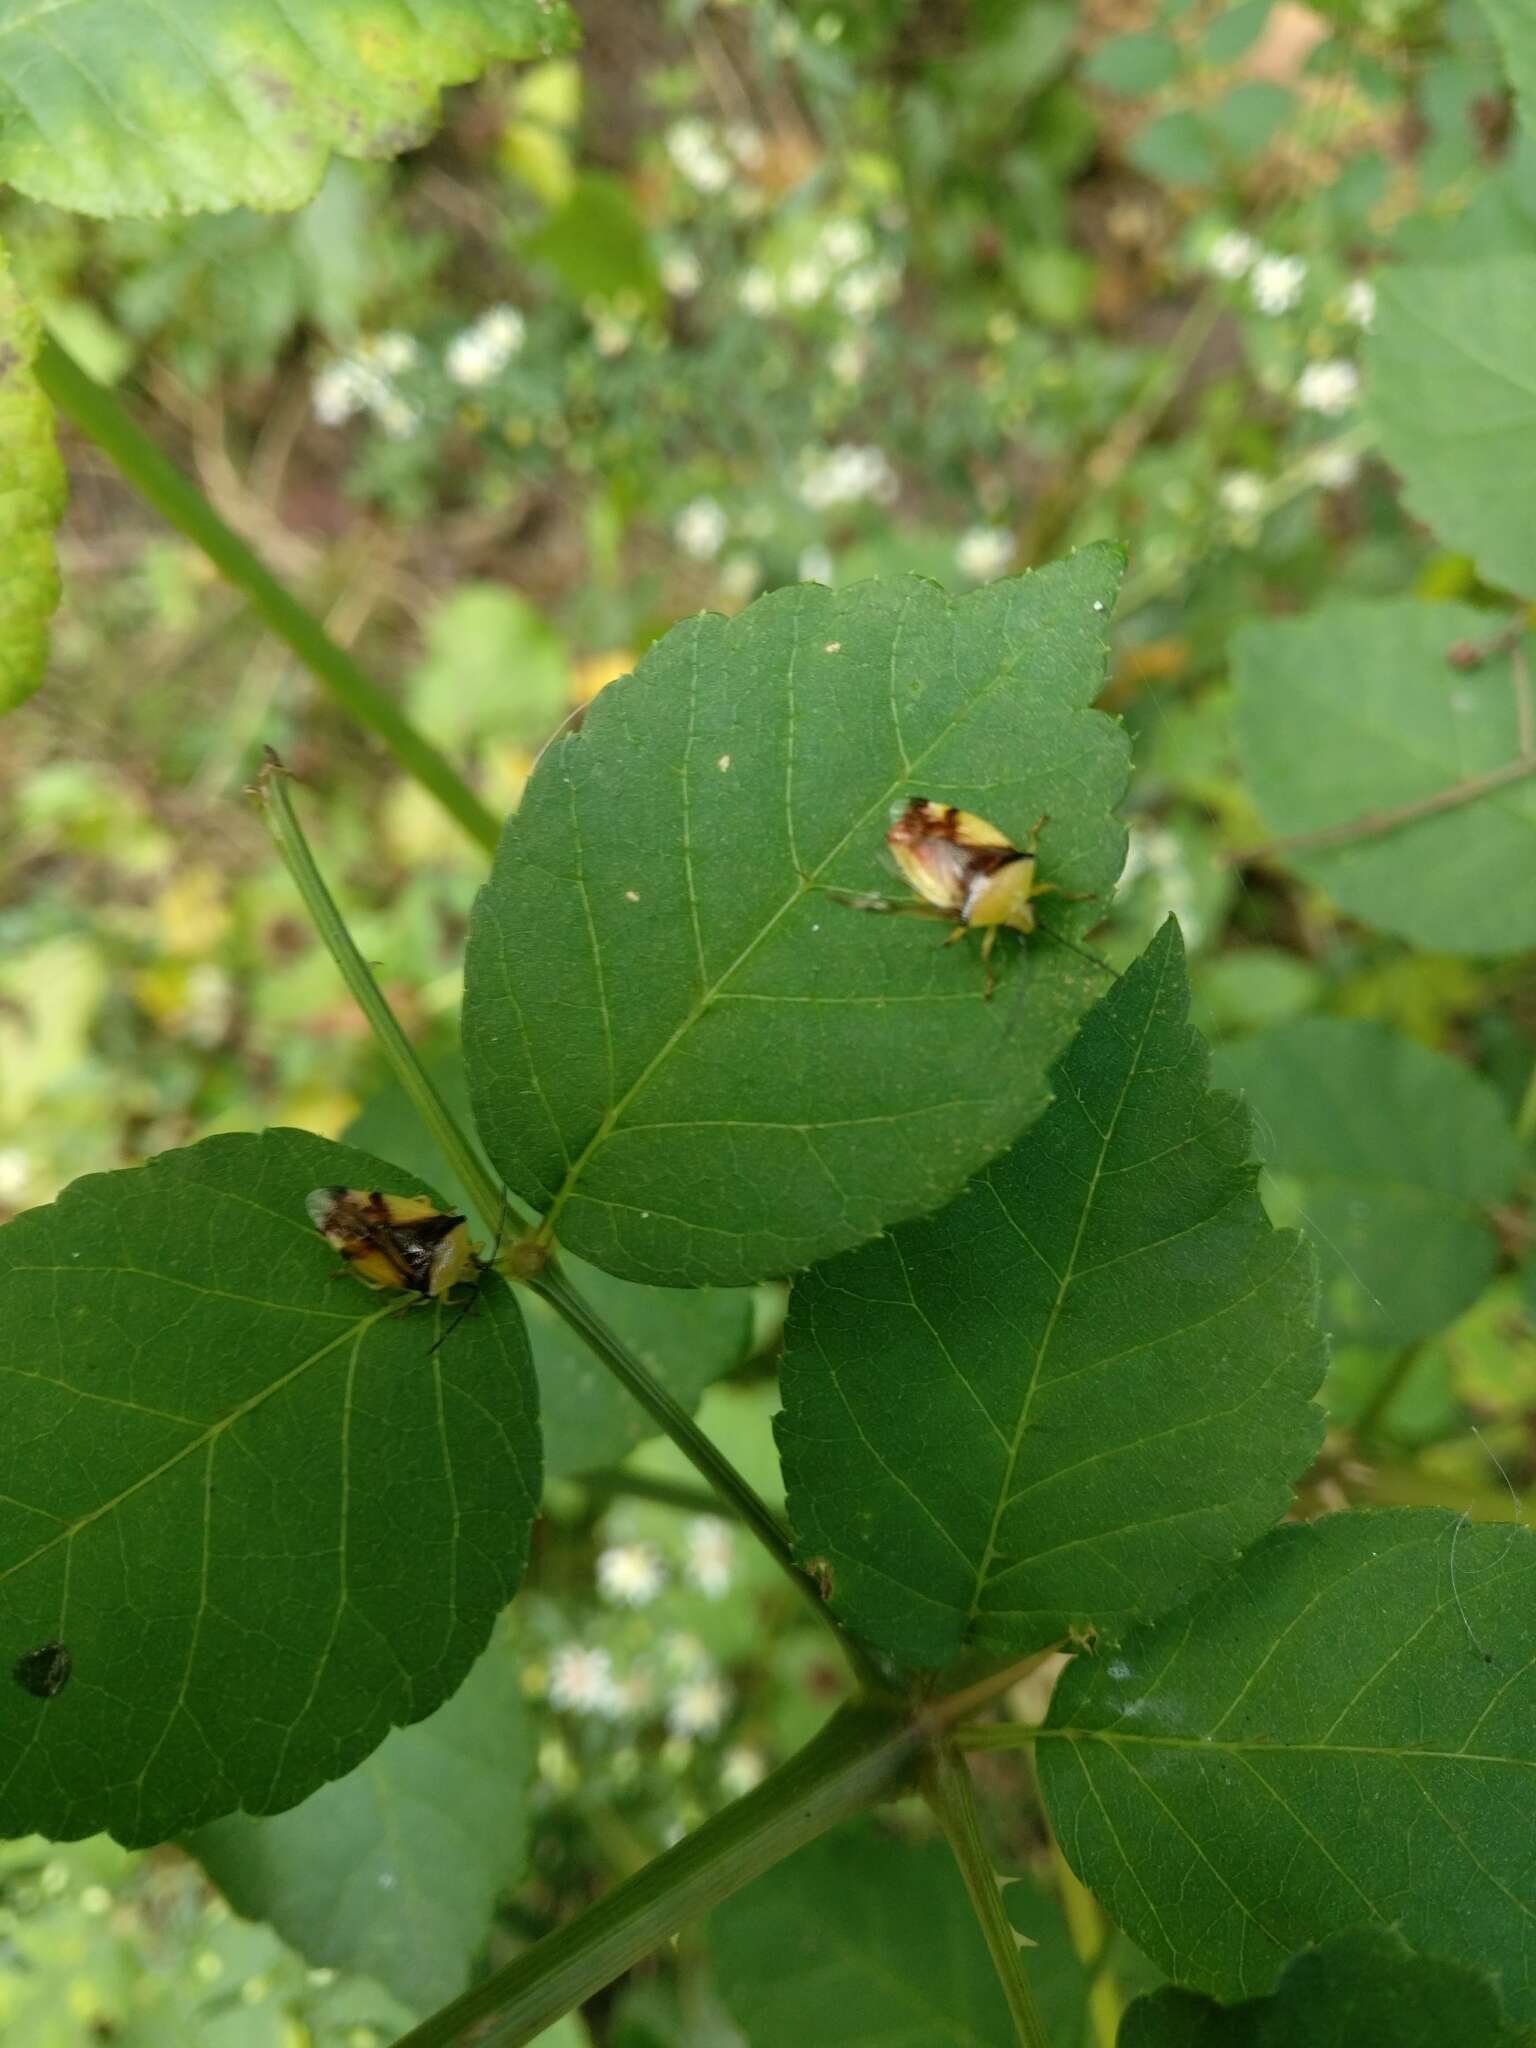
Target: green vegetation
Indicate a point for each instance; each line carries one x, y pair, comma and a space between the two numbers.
978, 1502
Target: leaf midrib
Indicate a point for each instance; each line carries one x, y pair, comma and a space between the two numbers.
1064, 1287
194, 1444
1208, 1745
805, 886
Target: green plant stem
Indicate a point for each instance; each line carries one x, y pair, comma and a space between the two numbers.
1525, 1116
1386, 1391
551, 1286
101, 416
997, 1735
272, 793
864, 1754
947, 1788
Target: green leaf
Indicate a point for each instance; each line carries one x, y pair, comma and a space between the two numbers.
1233, 31
265, 1518
1356, 712
885, 1949
1515, 28
1247, 119
1134, 64
1063, 1401
1452, 394
1390, 1155
493, 666
698, 1062
1176, 149
596, 243
393, 1870
687, 1337
1364, 1986
33, 488
153, 106
1341, 1733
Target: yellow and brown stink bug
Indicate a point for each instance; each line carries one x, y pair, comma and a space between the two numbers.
966, 873
401, 1241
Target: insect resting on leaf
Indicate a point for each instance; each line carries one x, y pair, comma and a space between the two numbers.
966, 873
402, 1241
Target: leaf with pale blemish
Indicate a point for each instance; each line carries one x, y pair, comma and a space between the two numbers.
681, 1046
32, 493
155, 106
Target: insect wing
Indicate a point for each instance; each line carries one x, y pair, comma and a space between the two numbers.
400, 1241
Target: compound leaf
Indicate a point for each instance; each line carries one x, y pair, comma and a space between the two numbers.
1452, 394
1356, 712
265, 1521
1389, 1155
393, 1870
154, 106
32, 493
1340, 1733
702, 1067
1367, 1985
1065, 1400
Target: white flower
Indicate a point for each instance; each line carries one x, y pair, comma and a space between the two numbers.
698, 1707
984, 552
581, 1681
1242, 493
1331, 387
746, 144
742, 1769
338, 392
681, 273
390, 353
700, 529
865, 290
815, 564
740, 576
693, 147
396, 415
1276, 283
845, 242
805, 282
610, 335
710, 1546
630, 1573
848, 359
1334, 466
486, 346
756, 292
1232, 255
1360, 302
15, 1172
846, 474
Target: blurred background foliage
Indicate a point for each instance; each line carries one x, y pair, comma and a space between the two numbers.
746, 292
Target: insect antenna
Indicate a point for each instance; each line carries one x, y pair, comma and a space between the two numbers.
486, 1266
1082, 952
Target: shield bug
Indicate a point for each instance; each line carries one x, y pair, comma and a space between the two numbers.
967, 873
400, 1241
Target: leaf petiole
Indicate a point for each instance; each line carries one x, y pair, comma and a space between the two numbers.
947, 1788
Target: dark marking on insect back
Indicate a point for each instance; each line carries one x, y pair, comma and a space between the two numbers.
45, 1671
